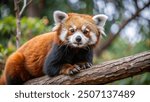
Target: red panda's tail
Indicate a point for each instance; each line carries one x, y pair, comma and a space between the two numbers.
2, 79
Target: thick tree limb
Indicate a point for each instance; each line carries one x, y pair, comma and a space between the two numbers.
104, 73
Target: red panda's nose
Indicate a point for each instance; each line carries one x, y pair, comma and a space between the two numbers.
78, 38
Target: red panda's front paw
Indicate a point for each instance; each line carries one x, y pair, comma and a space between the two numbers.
69, 69
85, 65
74, 70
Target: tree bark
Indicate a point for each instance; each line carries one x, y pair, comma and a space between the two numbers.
18, 18
2, 64
101, 74
18, 24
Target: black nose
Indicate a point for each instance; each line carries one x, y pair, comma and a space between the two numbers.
78, 38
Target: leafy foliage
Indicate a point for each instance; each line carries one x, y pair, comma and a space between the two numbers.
30, 27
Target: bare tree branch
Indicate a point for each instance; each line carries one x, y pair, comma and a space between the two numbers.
136, 4
24, 6
112, 37
104, 73
18, 18
29, 2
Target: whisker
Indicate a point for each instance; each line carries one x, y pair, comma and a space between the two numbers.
66, 49
61, 44
87, 48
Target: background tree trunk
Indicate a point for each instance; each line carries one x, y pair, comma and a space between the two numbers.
35, 8
104, 73
1, 65
18, 24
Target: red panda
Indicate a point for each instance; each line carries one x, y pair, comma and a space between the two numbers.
65, 50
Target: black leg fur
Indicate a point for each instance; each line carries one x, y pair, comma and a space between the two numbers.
53, 63
61, 55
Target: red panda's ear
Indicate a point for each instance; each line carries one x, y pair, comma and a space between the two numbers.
59, 17
100, 19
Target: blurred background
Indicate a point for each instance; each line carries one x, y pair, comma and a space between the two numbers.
127, 28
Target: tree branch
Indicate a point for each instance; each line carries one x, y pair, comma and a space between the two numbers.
24, 6
112, 37
18, 18
18, 31
104, 73
136, 4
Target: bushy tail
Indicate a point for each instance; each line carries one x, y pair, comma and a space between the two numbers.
2, 79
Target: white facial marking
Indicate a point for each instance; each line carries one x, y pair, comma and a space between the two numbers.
73, 26
84, 39
63, 34
84, 27
93, 38
101, 30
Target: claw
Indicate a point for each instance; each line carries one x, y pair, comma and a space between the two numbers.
71, 72
88, 65
77, 67
75, 70
84, 66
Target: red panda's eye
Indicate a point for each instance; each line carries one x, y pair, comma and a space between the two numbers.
85, 31
72, 30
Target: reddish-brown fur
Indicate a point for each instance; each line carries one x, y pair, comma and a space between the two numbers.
27, 61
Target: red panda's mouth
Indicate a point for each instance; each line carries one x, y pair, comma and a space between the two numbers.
75, 44
78, 45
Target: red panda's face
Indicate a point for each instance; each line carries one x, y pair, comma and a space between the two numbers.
79, 34
78, 30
